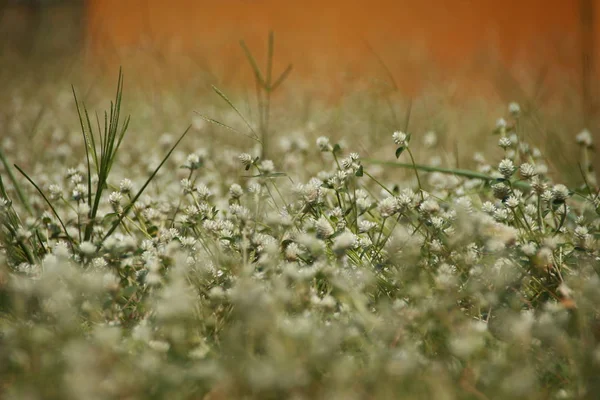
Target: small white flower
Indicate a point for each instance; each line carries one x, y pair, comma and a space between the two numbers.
506, 168
584, 138
245, 159
505, 142
560, 192
400, 138
430, 139
324, 228
388, 207
343, 242
323, 144
527, 171
514, 109
236, 191
125, 186
87, 248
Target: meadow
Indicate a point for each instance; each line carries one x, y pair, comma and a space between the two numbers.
271, 245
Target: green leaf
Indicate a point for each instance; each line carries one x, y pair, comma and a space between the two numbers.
359, 171
399, 151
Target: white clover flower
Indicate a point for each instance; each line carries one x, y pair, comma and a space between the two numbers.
529, 249
159, 345
527, 171
581, 232
584, 138
55, 192
560, 193
115, 199
194, 161
429, 206
514, 109
388, 207
504, 142
246, 159
324, 228
430, 139
501, 191
541, 169
500, 123
87, 248
343, 242
292, 251
267, 166
236, 191
400, 138
365, 226
488, 207
125, 186
323, 144
506, 168
203, 192
513, 201
187, 186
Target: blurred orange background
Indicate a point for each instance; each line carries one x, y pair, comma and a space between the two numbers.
448, 39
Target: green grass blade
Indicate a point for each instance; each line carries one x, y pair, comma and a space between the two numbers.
47, 202
222, 95
214, 121
451, 171
139, 193
22, 198
253, 63
282, 77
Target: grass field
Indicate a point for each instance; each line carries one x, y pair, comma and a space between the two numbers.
271, 245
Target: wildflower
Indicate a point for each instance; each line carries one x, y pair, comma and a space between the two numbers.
236, 191
343, 242
115, 199
513, 201
429, 206
527, 171
267, 166
506, 168
187, 185
292, 252
500, 123
501, 191
581, 232
514, 109
529, 249
125, 186
430, 139
55, 192
504, 142
388, 207
323, 144
203, 192
560, 193
194, 161
400, 138
365, 226
324, 228
87, 248
246, 160
488, 207
584, 138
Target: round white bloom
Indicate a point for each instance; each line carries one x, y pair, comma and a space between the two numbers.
514, 109
584, 138
324, 228
506, 168
400, 138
